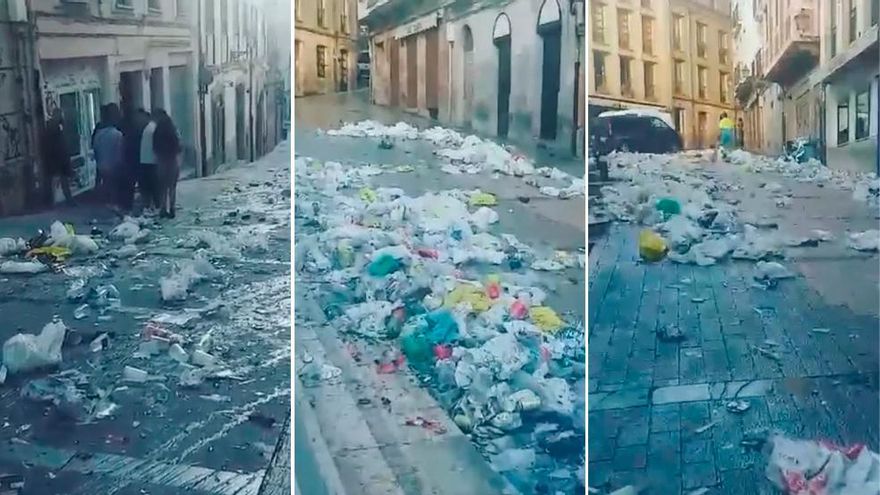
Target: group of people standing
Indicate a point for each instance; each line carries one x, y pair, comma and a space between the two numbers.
139, 151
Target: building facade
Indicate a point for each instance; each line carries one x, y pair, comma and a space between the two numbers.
848, 77
325, 46
672, 55
510, 69
75, 56
815, 77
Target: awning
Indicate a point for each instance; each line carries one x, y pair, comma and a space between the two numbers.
419, 25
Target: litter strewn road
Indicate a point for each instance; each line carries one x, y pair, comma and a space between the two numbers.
439, 309
175, 363
760, 319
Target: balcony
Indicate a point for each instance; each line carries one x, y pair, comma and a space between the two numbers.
796, 49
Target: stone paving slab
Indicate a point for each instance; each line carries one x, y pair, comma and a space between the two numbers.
657, 409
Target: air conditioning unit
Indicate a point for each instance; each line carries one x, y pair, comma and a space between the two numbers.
17, 10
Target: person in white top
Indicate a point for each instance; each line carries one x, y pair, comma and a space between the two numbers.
149, 169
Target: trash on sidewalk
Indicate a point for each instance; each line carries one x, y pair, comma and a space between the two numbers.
808, 467
431, 425
390, 362
383, 265
99, 343
737, 406
868, 240
545, 318
770, 271
670, 333
768, 353
176, 286
10, 246
652, 247
480, 198
668, 206
28, 352
514, 460
22, 267
71, 394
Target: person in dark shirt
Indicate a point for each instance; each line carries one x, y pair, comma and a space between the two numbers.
167, 148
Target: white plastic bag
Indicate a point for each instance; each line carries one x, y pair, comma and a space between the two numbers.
483, 217
868, 240
27, 352
20, 267
12, 246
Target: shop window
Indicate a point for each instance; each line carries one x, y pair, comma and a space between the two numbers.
863, 111
843, 123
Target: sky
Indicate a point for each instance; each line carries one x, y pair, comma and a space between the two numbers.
750, 38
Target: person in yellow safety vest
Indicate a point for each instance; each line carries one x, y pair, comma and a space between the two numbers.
726, 135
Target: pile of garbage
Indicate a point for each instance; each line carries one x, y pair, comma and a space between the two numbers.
470, 155
45, 250
466, 308
810, 467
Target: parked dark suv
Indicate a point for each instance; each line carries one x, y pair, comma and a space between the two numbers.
640, 131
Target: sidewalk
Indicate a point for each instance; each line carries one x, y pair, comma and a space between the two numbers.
657, 409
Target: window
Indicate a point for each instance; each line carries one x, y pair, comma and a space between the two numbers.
853, 29
598, 22
702, 82
322, 12
648, 35
322, 61
842, 123
69, 104
832, 15
649, 80
863, 110
599, 76
701, 40
209, 16
181, 8
646, 4
702, 126
677, 31
875, 12
154, 6
343, 17
722, 47
623, 28
679, 77
297, 10
124, 4
224, 17
678, 119
724, 86
626, 76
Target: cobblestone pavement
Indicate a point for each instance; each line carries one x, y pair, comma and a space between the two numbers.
657, 416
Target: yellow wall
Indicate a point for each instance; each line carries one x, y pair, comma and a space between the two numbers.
337, 36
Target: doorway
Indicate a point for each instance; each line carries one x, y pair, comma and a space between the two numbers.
131, 90
412, 72
432, 55
550, 31
468, 75
501, 38
343, 70
218, 130
394, 63
157, 89
240, 138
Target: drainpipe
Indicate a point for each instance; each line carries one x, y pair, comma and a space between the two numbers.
203, 168
577, 9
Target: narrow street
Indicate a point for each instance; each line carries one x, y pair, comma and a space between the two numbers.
420, 379
126, 414
697, 359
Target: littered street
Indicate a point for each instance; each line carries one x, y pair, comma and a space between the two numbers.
694, 366
382, 417
210, 425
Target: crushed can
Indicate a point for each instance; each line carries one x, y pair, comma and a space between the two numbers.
11, 484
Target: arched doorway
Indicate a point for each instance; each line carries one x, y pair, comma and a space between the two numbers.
501, 38
550, 31
467, 74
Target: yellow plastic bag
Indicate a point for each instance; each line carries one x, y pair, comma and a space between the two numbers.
58, 253
472, 294
546, 319
368, 195
652, 247
483, 199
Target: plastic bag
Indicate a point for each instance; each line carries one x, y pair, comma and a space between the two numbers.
12, 246
384, 264
771, 270
473, 295
868, 240
546, 319
483, 199
21, 267
652, 247
806, 467
483, 217
27, 352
